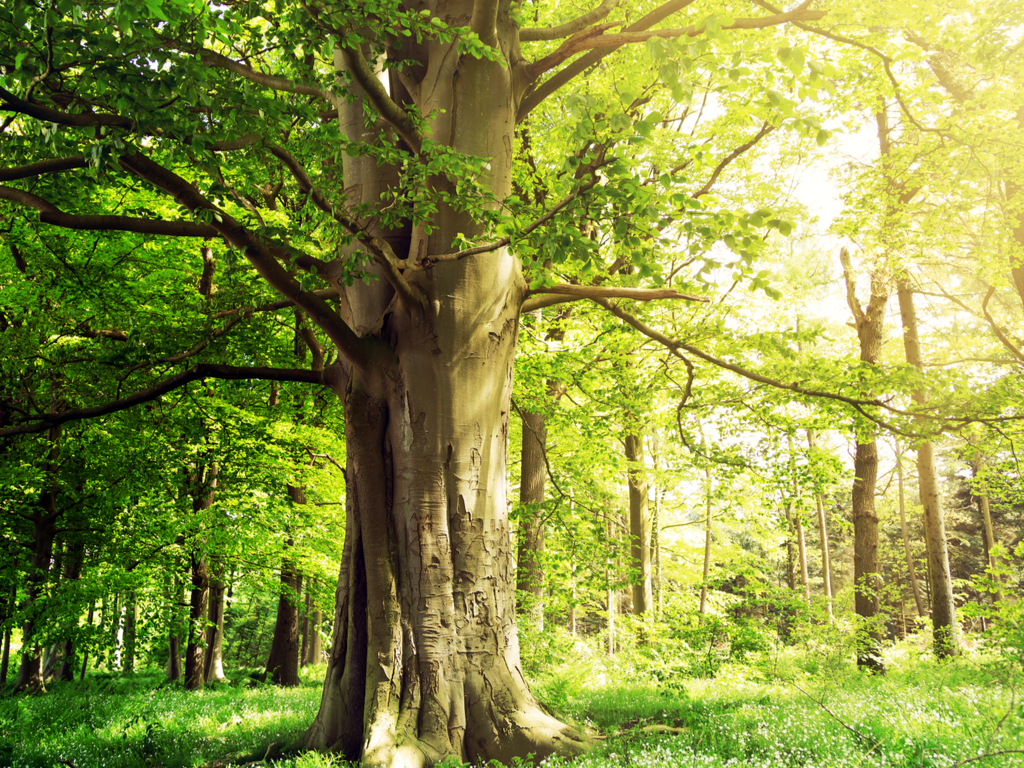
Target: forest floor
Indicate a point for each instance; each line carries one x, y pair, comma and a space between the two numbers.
782, 709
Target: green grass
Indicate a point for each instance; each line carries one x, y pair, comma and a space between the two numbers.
780, 711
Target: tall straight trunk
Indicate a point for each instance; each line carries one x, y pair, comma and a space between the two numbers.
866, 578
199, 608
826, 564
985, 512
85, 655
304, 626
213, 665
530, 559
283, 662
944, 625
639, 523
869, 321
707, 543
915, 588
314, 653
798, 521
790, 552
5, 656
72, 572
44, 521
131, 616
174, 668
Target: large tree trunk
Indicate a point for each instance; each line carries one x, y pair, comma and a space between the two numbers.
425, 659
639, 523
944, 626
530, 560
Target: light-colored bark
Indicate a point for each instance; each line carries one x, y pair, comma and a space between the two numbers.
214, 662
707, 543
985, 511
826, 564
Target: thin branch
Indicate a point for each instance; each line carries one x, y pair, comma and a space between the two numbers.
569, 28
11, 103
53, 165
50, 214
851, 287
429, 261
766, 128
1003, 338
45, 421
326, 293
563, 76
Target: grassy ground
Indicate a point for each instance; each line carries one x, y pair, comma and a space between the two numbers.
782, 712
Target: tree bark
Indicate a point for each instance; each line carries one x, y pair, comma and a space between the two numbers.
530, 560
213, 669
72, 572
826, 565
639, 523
199, 607
869, 321
283, 663
44, 522
944, 626
915, 588
131, 616
707, 543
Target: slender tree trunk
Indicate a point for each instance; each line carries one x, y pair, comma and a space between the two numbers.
5, 658
985, 511
72, 572
869, 321
707, 543
826, 564
85, 654
639, 524
304, 621
283, 663
130, 633
199, 608
944, 625
530, 560
911, 570
44, 522
213, 669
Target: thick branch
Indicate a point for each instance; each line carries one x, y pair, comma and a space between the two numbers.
53, 165
602, 45
1000, 334
484, 21
851, 287
259, 254
563, 293
50, 214
569, 28
204, 371
274, 82
360, 70
11, 103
